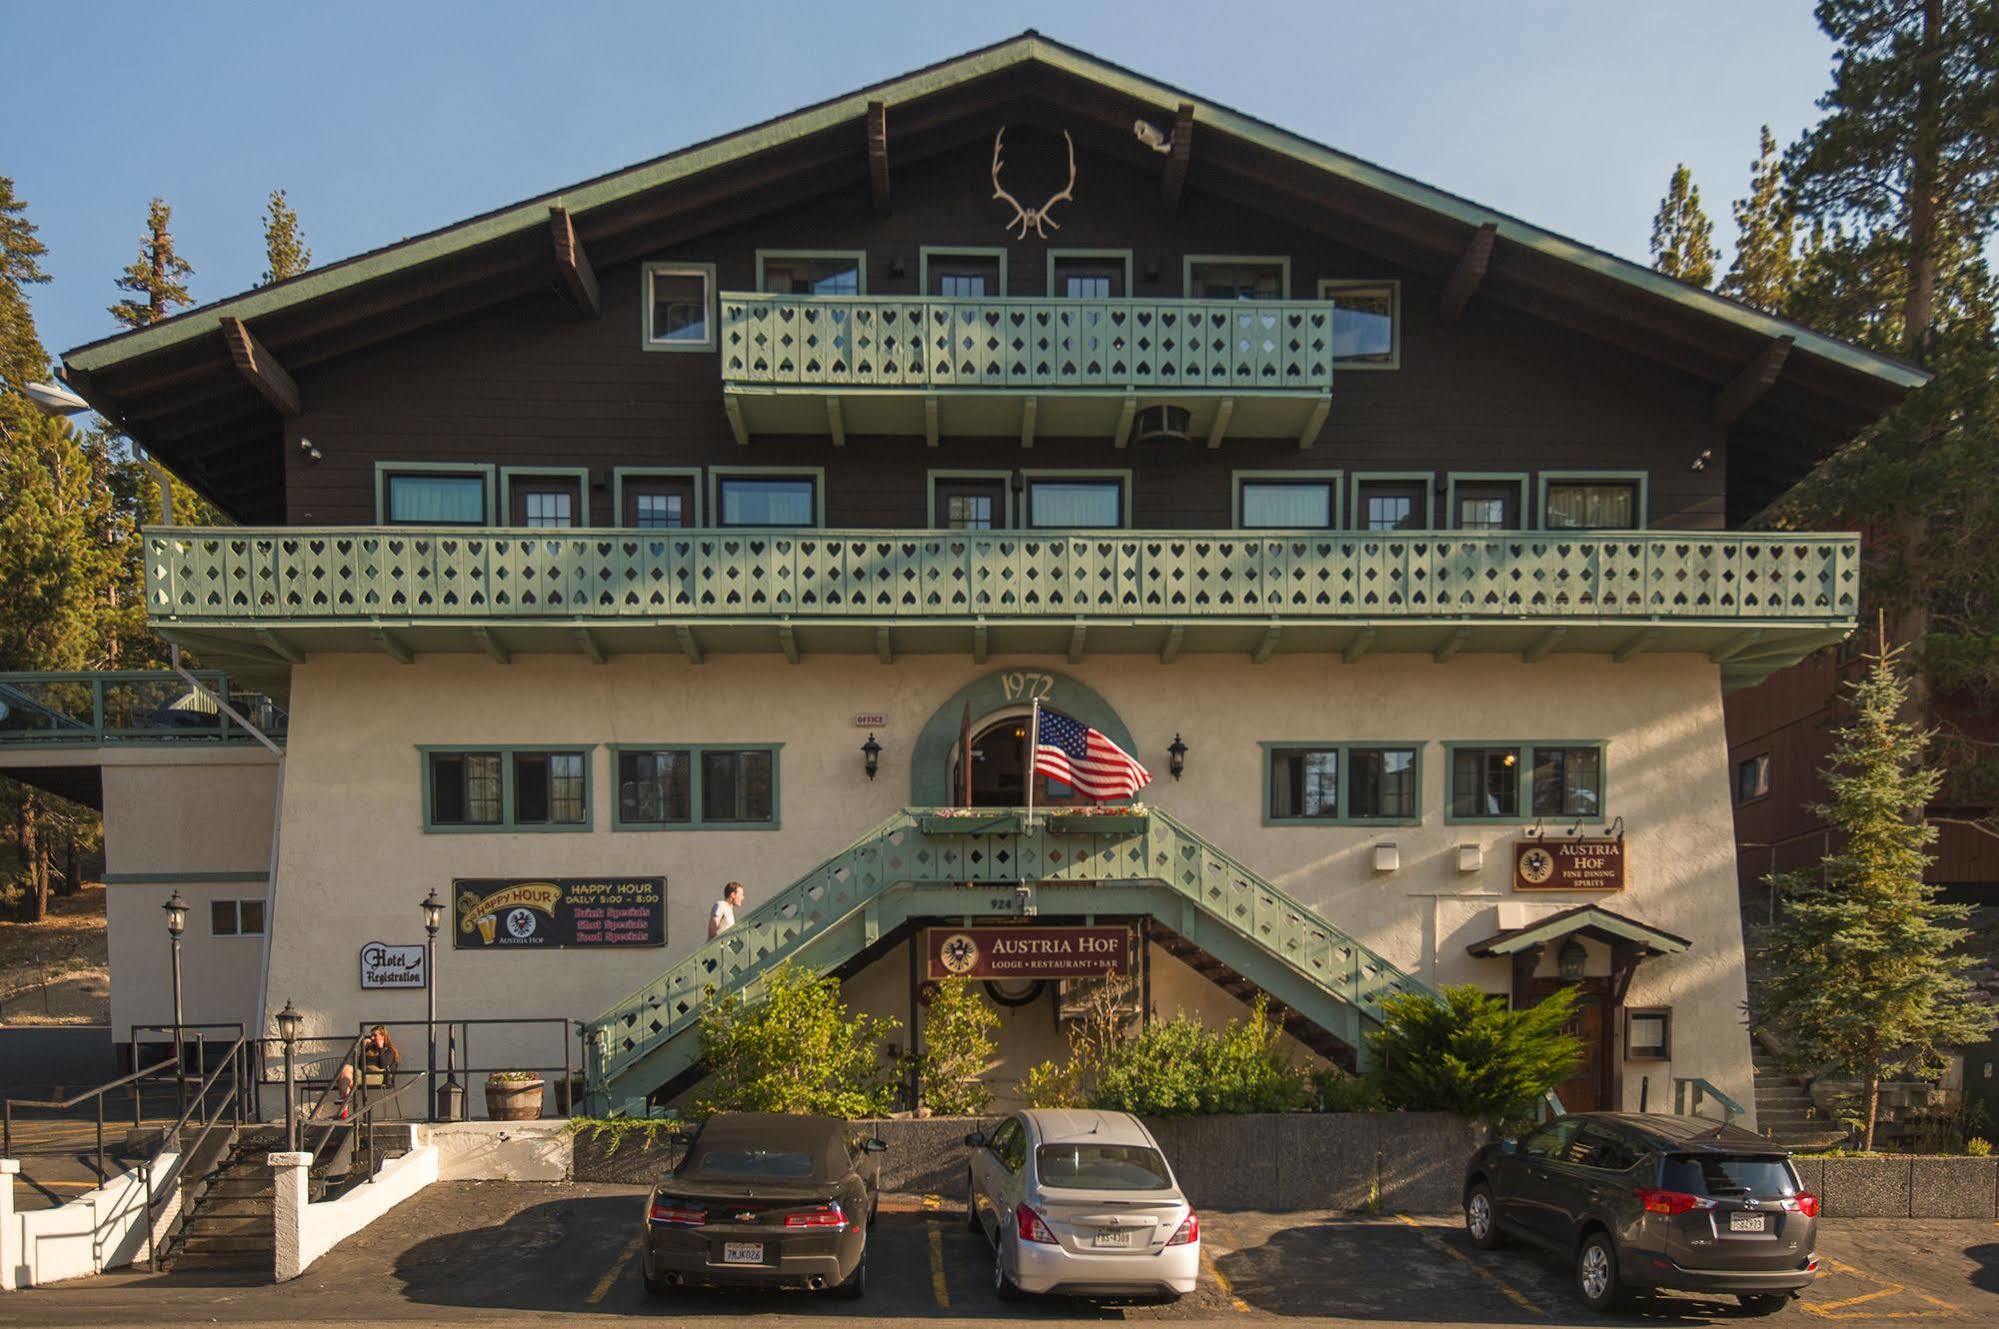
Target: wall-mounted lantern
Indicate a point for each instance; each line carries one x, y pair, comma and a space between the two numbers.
1176, 756
872, 751
1573, 959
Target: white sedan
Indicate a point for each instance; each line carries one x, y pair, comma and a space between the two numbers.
1081, 1202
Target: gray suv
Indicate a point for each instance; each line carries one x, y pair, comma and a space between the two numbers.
1640, 1202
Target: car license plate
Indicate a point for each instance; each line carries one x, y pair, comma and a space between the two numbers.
742, 1252
1113, 1238
1745, 1222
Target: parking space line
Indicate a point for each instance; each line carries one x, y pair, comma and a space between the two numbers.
937, 1288
1222, 1280
1844, 1308
604, 1284
1510, 1292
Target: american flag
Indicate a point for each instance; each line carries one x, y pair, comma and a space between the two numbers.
1068, 750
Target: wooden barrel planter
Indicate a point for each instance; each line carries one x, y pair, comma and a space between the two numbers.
513, 1100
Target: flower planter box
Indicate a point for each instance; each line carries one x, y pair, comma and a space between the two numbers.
999, 823
514, 1100
1097, 823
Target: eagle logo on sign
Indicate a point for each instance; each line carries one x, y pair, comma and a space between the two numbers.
1537, 865
959, 953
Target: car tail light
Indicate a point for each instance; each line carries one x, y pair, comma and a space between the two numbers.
1804, 1202
819, 1215
1030, 1227
1670, 1202
1188, 1232
675, 1214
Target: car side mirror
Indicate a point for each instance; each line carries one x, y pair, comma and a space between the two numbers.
875, 1146
976, 1140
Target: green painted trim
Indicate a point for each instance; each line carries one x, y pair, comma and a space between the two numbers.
384, 469
695, 821
618, 474
1237, 479
1588, 916
1429, 479
1329, 288
1642, 478
930, 491
859, 256
817, 474
930, 757
924, 252
580, 474
1054, 254
506, 825
1519, 478
183, 878
1346, 748
1525, 780
1188, 261
1027, 48
1028, 477
681, 268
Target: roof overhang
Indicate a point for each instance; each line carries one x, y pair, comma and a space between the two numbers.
1589, 920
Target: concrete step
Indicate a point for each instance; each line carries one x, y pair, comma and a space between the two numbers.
232, 1261
239, 1188
206, 1224
231, 1206
201, 1243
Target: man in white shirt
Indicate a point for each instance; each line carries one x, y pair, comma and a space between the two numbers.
723, 916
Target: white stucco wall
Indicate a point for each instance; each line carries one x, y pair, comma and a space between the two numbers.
355, 859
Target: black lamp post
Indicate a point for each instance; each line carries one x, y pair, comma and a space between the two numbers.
433, 918
1176, 756
289, 1021
176, 911
873, 752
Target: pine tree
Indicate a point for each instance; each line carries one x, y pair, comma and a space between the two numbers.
22, 359
1682, 234
1766, 235
284, 243
1858, 977
157, 278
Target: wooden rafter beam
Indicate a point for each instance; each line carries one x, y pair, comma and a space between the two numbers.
979, 644
1028, 410
787, 638
1470, 271
259, 368
1181, 151
878, 156
1078, 637
575, 279
587, 642
394, 647
836, 422
1736, 645
1220, 428
690, 645
884, 645
1451, 645
492, 646
1754, 379
1169, 650
1635, 645
1358, 645
281, 645
1125, 417
930, 421
1317, 421
1266, 647
1544, 643
737, 425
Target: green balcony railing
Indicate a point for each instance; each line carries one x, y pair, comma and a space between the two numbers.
328, 574
1026, 343
92, 709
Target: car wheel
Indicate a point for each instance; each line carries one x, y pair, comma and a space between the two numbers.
972, 1223
1480, 1222
855, 1285
1596, 1272
1763, 1303
1003, 1285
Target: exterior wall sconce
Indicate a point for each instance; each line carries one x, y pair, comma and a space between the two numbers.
1176, 757
1387, 858
1471, 857
1573, 959
873, 752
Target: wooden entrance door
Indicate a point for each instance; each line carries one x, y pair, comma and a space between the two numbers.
1585, 1091
999, 764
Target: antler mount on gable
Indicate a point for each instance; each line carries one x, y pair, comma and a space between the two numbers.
1036, 219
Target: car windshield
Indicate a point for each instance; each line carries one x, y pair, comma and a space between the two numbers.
1101, 1167
1729, 1174
769, 1164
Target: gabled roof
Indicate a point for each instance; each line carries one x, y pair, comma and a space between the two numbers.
1589, 920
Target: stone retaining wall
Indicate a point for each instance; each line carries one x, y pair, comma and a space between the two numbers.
1904, 1186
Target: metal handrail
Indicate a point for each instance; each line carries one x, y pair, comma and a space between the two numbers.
1696, 1088
64, 1104
234, 1061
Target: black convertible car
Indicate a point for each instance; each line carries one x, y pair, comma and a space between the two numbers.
762, 1199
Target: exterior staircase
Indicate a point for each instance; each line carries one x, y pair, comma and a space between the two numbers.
989, 864
1785, 1111
228, 1223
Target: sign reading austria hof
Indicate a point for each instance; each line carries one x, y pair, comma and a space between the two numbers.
499, 913
1568, 865
993, 952
387, 965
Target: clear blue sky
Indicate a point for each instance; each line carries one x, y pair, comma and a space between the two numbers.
386, 120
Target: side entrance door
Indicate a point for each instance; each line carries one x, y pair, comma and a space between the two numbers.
1583, 1092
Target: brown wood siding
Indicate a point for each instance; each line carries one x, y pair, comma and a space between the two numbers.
522, 384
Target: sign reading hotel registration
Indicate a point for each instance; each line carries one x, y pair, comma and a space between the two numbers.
1027, 952
1568, 865
491, 913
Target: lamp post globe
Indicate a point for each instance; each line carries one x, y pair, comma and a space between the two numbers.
289, 1021
433, 919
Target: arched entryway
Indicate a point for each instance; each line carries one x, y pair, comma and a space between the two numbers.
997, 705
999, 766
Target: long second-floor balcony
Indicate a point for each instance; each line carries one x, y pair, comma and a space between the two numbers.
1753, 602
933, 366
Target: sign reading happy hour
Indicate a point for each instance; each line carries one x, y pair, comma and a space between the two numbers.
506, 913
1568, 865
990, 952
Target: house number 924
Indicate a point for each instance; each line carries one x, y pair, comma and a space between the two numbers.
1020, 686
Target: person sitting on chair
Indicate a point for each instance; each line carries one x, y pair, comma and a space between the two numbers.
379, 1059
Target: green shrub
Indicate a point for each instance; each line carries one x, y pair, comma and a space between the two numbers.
1181, 1068
957, 1049
1978, 1147
1054, 1086
793, 1049
1333, 1090
1470, 1055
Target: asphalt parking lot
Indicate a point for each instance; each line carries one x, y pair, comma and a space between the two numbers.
490, 1253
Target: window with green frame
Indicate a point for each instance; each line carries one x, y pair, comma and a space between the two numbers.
503, 789
1342, 783
1514, 781
697, 786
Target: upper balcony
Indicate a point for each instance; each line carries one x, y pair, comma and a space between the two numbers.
1022, 366
268, 597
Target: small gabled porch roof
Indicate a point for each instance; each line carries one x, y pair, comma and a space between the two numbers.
1589, 920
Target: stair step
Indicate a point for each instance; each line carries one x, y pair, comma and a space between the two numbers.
233, 1206
203, 1243
206, 1224
245, 1261
240, 1188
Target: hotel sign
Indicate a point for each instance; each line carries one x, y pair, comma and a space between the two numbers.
998, 952
506, 913
386, 965
1568, 865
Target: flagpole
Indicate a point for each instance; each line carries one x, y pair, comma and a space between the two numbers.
1033, 747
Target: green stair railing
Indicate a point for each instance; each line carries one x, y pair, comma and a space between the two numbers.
924, 863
